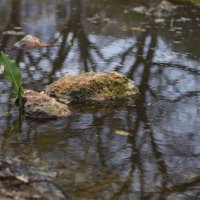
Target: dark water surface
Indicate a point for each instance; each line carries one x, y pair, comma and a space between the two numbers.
160, 158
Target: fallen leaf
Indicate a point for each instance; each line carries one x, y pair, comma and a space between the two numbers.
140, 9
22, 178
137, 29
159, 20
12, 32
120, 132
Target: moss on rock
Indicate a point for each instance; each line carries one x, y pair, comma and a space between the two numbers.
92, 86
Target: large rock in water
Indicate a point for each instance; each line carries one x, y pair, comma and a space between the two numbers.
40, 106
91, 86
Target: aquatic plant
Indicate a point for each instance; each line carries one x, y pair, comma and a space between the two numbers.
12, 72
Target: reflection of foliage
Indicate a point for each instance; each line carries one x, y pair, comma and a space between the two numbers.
11, 134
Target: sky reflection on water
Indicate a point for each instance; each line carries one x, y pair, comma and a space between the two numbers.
159, 158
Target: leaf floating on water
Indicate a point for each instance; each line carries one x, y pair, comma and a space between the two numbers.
137, 29
159, 20
120, 132
140, 9
23, 178
11, 32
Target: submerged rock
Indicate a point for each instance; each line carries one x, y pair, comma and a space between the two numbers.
164, 8
39, 105
91, 86
30, 42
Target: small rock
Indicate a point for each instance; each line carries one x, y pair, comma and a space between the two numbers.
140, 9
39, 105
163, 9
92, 86
30, 42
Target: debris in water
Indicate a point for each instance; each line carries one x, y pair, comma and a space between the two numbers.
30, 42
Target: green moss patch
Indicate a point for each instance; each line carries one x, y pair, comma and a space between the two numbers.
91, 87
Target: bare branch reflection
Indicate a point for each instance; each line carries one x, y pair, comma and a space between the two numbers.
158, 160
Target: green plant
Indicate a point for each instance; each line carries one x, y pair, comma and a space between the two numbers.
11, 71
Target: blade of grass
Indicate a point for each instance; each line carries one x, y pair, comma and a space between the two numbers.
11, 71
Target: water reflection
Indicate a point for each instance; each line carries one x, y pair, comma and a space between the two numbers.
159, 159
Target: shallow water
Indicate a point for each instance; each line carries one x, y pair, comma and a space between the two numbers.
159, 159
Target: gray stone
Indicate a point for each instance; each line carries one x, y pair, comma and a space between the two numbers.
40, 106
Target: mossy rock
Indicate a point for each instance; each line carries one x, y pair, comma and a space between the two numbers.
91, 86
40, 106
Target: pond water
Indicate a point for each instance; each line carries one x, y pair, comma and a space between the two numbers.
159, 158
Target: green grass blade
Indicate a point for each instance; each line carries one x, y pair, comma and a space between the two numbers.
11, 71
